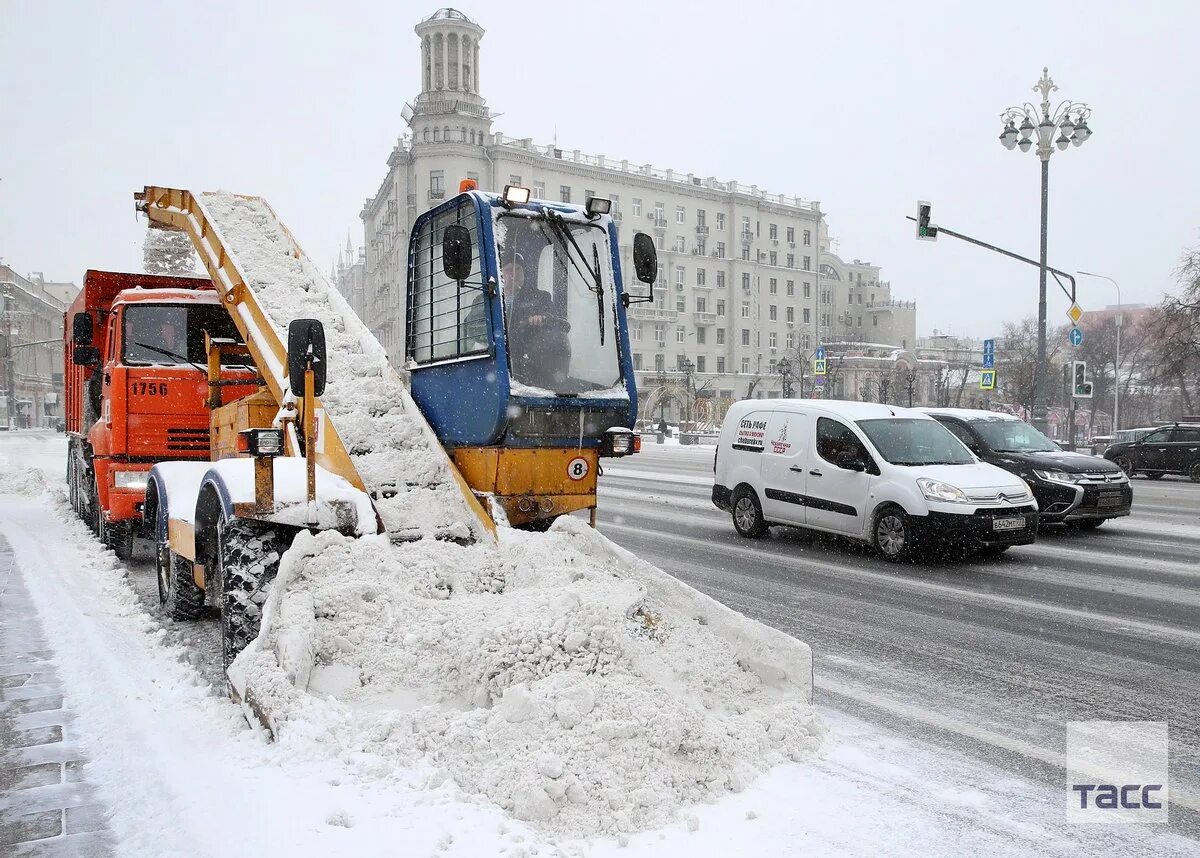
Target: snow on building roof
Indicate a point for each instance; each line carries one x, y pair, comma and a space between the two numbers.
446, 13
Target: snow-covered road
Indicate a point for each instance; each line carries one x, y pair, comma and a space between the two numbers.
182, 774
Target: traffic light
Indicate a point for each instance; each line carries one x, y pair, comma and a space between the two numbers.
925, 232
1081, 388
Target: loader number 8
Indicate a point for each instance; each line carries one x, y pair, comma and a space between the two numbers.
577, 468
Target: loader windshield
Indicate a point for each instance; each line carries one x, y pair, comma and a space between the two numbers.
171, 334
559, 306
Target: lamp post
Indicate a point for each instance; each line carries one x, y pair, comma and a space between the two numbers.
688, 368
662, 380
785, 371
1117, 361
1069, 119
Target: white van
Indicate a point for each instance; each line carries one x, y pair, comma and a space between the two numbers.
892, 477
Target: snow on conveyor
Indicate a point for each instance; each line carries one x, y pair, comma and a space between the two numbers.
556, 674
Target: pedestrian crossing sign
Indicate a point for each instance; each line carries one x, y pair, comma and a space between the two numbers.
819, 366
987, 379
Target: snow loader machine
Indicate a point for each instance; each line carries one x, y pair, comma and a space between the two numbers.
518, 379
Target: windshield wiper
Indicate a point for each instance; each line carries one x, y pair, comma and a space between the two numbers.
170, 354
564, 235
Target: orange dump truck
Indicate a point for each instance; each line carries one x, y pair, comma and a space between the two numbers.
137, 389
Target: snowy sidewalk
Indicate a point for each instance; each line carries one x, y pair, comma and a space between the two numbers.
46, 805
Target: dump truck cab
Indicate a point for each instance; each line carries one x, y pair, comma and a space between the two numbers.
518, 345
140, 389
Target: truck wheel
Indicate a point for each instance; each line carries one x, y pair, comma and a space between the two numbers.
177, 590
248, 554
748, 519
892, 535
92, 516
117, 536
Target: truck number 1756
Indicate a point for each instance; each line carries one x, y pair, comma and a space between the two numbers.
148, 388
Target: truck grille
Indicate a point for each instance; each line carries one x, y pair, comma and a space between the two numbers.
187, 440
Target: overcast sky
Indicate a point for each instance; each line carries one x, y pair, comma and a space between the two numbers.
863, 106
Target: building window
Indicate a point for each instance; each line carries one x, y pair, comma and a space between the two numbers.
680, 332
791, 288
588, 194
720, 220
700, 363
791, 339
701, 249
701, 336
745, 226
720, 307
808, 238
660, 333
514, 179
437, 183
637, 207
772, 340
564, 193
774, 257
773, 232
808, 263
679, 275
680, 244
616, 203
875, 321
745, 310
701, 305
791, 260
701, 276
720, 250
720, 336
660, 363
635, 332
680, 304
746, 282
680, 214
746, 253
859, 325
807, 316
539, 190
773, 313
659, 243
746, 369
790, 314
807, 289
700, 217
437, 137
721, 365
660, 213
745, 336
791, 234
774, 286
720, 279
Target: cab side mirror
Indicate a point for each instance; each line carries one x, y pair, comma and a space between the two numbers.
81, 329
645, 258
456, 252
850, 461
306, 345
85, 355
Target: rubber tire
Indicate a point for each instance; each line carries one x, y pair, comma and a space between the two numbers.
178, 594
118, 538
248, 554
1091, 523
1124, 463
905, 550
1154, 475
91, 516
1193, 471
538, 525
752, 525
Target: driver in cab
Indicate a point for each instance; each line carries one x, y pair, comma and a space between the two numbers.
537, 341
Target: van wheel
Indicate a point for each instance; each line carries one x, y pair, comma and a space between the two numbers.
1193, 471
177, 590
891, 534
748, 519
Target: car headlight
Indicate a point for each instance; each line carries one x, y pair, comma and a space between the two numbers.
936, 490
1057, 477
130, 479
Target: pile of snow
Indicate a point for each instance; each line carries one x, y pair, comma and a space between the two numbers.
21, 480
559, 676
569, 682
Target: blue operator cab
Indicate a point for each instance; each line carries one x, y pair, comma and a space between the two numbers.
518, 345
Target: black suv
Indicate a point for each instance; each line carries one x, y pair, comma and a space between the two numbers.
1069, 487
1167, 450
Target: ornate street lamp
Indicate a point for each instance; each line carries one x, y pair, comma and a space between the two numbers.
785, 371
1069, 120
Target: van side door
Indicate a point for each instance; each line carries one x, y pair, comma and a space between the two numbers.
784, 467
836, 497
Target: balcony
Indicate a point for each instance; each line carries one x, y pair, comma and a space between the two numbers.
437, 194
701, 229
704, 318
747, 236
642, 311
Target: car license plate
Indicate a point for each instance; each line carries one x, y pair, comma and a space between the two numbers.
1008, 523
1110, 500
